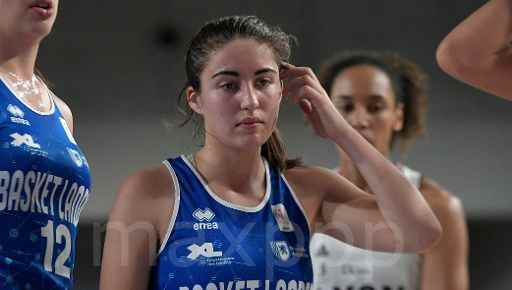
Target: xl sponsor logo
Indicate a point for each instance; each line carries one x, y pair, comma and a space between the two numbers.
206, 250
204, 217
24, 139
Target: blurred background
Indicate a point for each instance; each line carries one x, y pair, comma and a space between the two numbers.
120, 67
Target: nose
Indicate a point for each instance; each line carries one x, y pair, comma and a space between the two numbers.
249, 98
359, 118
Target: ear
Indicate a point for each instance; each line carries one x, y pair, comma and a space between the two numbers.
398, 124
194, 100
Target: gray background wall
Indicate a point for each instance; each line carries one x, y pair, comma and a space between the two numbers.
110, 62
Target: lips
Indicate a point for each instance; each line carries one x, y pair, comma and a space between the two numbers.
249, 121
42, 4
42, 8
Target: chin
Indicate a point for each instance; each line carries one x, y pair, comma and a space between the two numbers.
35, 34
250, 142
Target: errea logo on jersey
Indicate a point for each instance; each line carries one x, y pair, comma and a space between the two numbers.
204, 217
17, 115
15, 111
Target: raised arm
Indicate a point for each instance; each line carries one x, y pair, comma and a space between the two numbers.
407, 222
135, 224
479, 52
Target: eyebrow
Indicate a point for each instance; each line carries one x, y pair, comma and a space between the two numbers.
343, 98
237, 74
376, 97
373, 97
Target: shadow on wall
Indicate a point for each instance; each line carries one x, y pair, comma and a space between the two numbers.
490, 254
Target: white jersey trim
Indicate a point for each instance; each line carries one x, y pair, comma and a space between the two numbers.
176, 207
299, 204
227, 203
13, 92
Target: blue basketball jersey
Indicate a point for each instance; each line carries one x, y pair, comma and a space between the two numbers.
44, 185
212, 244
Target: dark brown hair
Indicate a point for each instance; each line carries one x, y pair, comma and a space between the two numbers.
408, 80
213, 36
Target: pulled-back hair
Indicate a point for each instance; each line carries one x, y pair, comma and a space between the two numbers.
409, 84
213, 36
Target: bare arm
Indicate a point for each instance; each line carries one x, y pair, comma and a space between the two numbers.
133, 229
445, 266
478, 50
338, 208
398, 206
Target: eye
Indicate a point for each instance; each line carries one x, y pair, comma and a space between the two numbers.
229, 86
347, 108
263, 83
375, 107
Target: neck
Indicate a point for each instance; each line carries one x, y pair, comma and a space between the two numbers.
239, 170
18, 58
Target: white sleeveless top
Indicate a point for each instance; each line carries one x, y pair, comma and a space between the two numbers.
339, 266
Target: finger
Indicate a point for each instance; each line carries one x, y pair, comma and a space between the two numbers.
291, 71
283, 69
316, 121
293, 87
306, 106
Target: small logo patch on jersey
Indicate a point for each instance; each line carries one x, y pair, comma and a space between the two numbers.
205, 250
26, 139
204, 217
281, 250
17, 115
281, 216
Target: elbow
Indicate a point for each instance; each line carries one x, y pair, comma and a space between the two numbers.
429, 236
449, 59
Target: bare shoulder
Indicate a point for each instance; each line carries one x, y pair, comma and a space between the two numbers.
444, 204
145, 196
309, 179
65, 111
322, 183
309, 184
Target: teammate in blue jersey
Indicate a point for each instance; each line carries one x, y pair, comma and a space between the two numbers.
44, 177
383, 96
237, 214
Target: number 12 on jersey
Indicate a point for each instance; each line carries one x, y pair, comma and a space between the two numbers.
60, 235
